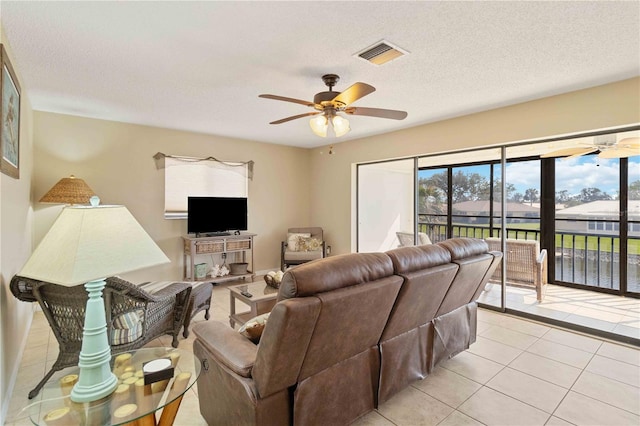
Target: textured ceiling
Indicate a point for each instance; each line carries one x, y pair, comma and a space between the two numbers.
200, 66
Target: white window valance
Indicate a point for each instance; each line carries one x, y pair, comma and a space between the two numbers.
202, 177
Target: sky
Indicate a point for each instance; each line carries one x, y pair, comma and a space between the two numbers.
587, 171
574, 174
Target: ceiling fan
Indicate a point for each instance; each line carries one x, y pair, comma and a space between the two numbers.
328, 104
605, 145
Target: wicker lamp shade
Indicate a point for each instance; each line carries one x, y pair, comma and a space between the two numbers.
69, 190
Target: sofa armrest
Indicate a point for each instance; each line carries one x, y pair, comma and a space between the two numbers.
227, 346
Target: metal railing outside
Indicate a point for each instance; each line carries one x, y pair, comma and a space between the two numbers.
588, 259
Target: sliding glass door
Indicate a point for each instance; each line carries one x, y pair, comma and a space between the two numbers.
386, 206
587, 225
633, 225
584, 209
575, 199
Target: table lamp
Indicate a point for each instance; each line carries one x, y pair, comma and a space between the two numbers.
85, 245
71, 190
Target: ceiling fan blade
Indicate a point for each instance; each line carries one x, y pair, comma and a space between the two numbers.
578, 154
377, 112
575, 151
619, 152
295, 117
353, 93
629, 143
282, 98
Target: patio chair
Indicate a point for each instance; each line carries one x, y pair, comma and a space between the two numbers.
526, 264
135, 314
406, 239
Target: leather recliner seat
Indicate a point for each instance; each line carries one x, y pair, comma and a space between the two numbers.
347, 332
435, 314
317, 361
427, 273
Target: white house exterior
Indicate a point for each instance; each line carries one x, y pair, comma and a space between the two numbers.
598, 217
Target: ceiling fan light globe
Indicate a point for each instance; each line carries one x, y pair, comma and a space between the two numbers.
340, 125
319, 125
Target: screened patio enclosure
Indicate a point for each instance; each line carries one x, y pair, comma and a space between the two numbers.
584, 210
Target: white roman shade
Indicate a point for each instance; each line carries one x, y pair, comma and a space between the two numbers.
201, 177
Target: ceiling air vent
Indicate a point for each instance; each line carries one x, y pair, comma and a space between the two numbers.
381, 53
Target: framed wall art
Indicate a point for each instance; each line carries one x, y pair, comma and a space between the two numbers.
9, 118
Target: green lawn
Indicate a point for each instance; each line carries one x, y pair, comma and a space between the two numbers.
591, 242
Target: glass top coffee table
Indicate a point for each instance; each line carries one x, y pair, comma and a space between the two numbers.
132, 402
261, 301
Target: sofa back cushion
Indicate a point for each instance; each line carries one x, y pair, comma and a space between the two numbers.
428, 273
314, 232
333, 273
284, 343
351, 321
476, 264
328, 311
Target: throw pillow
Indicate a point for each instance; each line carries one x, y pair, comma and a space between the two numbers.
127, 327
128, 320
295, 241
310, 244
253, 328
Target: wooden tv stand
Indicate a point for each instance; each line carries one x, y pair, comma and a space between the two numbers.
194, 246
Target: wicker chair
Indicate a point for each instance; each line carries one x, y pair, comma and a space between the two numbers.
526, 264
406, 239
158, 307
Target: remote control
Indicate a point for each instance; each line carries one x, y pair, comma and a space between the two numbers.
246, 294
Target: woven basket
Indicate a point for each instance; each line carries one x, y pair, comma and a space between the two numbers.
238, 268
271, 282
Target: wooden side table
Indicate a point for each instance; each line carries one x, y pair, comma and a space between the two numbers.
262, 300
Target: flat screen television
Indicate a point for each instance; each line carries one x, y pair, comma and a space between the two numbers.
216, 215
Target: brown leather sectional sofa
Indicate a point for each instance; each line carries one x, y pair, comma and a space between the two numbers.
348, 332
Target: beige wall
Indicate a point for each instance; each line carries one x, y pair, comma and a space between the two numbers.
15, 247
115, 159
332, 184
291, 186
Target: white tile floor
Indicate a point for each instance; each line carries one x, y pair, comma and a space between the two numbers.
615, 314
518, 372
